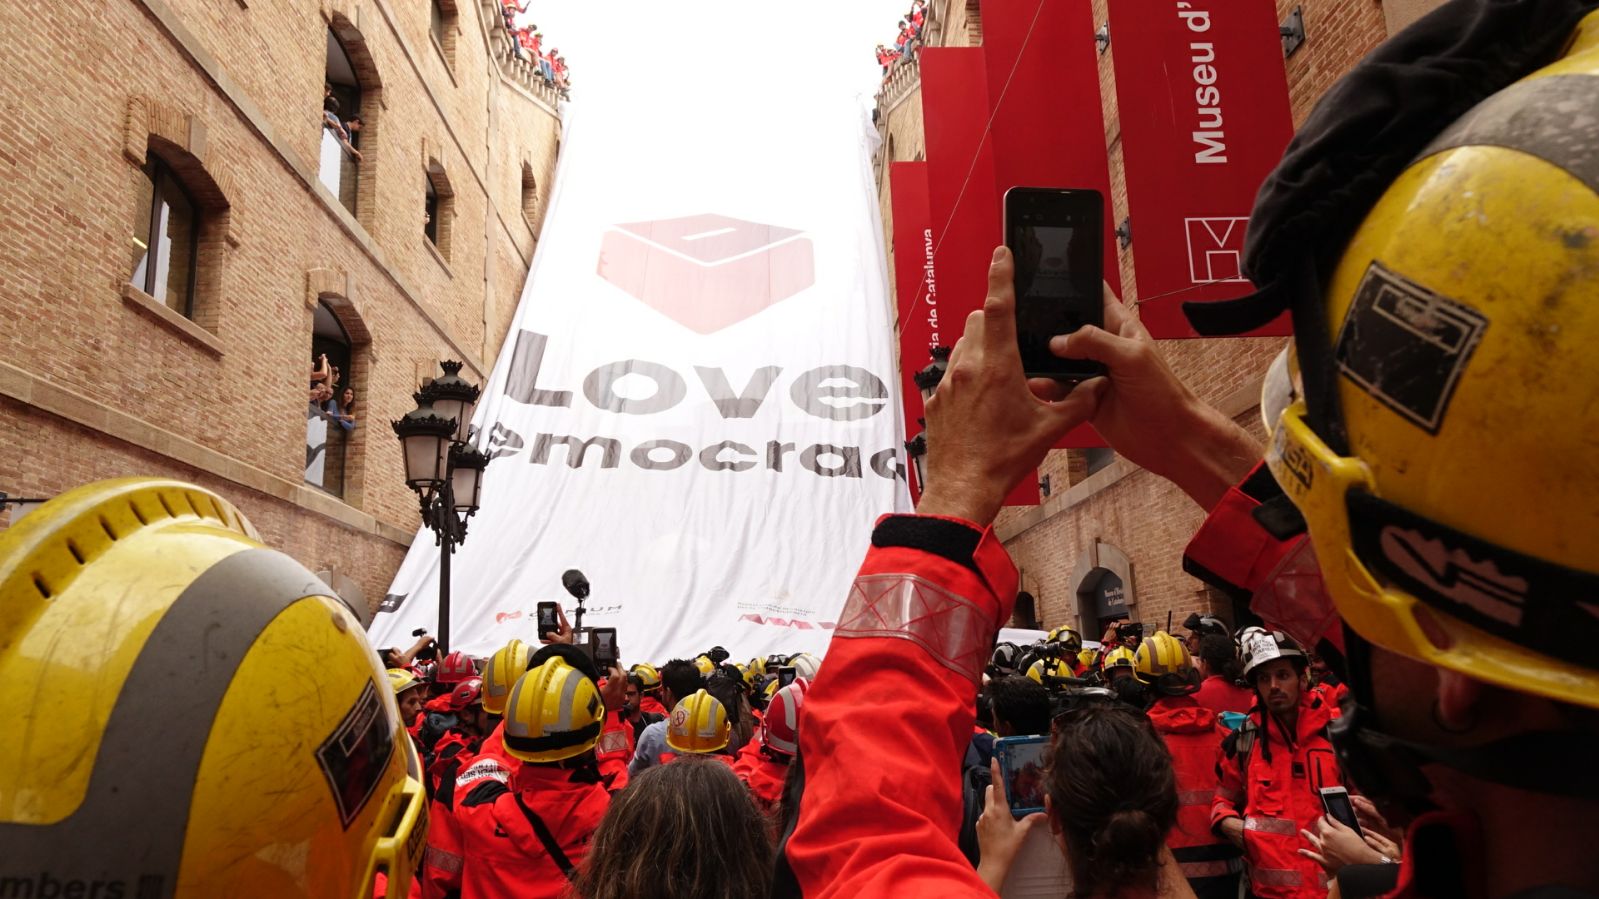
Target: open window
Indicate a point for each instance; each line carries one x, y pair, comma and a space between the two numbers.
442, 26
342, 126
438, 208
332, 409
530, 197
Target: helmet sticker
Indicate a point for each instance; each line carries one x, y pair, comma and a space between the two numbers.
356, 754
1406, 345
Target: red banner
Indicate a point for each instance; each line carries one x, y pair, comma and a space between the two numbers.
915, 293
1205, 116
962, 199
1043, 86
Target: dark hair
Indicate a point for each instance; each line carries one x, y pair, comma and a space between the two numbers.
1220, 654
686, 830
682, 678
1020, 702
1114, 793
330, 103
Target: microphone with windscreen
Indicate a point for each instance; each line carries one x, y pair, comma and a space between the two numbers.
575, 583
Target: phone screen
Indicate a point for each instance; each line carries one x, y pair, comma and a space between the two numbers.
1336, 801
604, 646
548, 622
1057, 240
786, 675
1022, 763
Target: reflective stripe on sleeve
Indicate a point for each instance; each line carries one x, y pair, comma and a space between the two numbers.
1274, 877
1219, 868
1195, 797
955, 631
440, 860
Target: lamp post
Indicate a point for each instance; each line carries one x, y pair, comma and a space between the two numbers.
443, 468
927, 381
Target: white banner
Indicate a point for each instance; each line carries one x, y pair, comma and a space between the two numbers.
697, 402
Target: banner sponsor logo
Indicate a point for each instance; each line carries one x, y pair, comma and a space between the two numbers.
1203, 99
674, 266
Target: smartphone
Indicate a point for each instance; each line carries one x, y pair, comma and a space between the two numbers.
1022, 761
549, 618
1057, 238
1336, 801
786, 675
603, 639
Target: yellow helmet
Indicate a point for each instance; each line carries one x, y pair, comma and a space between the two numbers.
1464, 314
1087, 658
771, 687
401, 679
1120, 657
504, 669
704, 664
1159, 655
754, 670
555, 712
1067, 636
699, 724
1050, 667
146, 636
647, 674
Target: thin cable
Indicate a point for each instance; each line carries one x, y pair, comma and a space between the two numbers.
988, 129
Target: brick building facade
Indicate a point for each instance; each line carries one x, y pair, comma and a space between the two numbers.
1106, 523
414, 254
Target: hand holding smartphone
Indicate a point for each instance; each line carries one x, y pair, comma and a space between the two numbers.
1021, 764
603, 639
1057, 238
1336, 801
549, 618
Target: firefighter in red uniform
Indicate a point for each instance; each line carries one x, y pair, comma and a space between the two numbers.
442, 861
649, 689
1193, 735
766, 769
1272, 768
525, 839
410, 693
699, 725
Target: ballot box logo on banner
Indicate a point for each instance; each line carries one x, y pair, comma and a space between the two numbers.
1216, 249
707, 271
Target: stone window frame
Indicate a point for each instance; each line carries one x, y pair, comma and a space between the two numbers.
344, 19
1100, 557
181, 141
337, 291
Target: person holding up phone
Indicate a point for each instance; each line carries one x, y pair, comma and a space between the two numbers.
873, 823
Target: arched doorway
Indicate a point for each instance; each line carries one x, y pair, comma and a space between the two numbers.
1102, 581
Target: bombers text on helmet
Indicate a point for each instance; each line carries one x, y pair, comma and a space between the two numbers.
123, 763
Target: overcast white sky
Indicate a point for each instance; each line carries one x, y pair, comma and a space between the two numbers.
835, 39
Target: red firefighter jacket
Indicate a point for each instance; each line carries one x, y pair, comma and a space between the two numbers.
511, 834
1270, 779
443, 859
1193, 735
649, 702
888, 719
1233, 551
1219, 694
764, 777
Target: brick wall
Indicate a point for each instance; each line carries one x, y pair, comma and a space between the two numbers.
1146, 518
238, 92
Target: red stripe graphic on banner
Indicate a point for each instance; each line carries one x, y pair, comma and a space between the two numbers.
1205, 117
961, 194
1043, 85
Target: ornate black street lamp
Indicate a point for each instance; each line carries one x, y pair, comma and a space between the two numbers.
444, 470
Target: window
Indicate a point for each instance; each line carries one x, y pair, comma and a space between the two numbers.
430, 217
166, 242
438, 208
343, 125
1098, 458
441, 25
530, 196
331, 411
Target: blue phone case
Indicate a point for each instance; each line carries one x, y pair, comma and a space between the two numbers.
1022, 762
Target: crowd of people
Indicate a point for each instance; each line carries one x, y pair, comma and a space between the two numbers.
328, 401
527, 42
907, 42
1416, 716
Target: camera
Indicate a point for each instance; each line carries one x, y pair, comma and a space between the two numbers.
1133, 630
